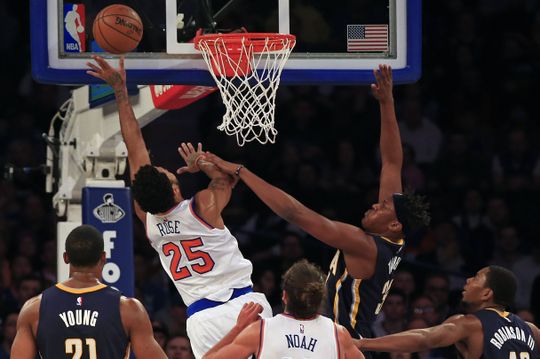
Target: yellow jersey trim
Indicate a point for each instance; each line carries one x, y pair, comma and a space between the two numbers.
400, 242
336, 297
356, 303
80, 290
503, 314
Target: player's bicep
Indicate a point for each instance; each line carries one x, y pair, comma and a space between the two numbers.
24, 345
447, 333
210, 202
233, 350
244, 345
221, 190
390, 181
140, 331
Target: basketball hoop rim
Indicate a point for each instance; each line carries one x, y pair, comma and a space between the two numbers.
255, 38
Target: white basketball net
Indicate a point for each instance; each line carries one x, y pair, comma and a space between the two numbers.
249, 95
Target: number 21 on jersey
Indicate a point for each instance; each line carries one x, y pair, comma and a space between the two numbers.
204, 263
75, 346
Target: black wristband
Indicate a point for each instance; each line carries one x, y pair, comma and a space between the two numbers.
237, 172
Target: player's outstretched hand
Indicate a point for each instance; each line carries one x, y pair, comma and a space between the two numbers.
191, 157
116, 78
226, 167
249, 314
382, 90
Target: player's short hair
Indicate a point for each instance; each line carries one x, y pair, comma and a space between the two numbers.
152, 190
412, 211
503, 283
84, 246
304, 284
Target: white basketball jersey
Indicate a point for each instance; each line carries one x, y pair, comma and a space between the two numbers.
202, 261
284, 337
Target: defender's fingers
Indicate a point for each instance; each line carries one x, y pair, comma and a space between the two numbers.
101, 61
377, 76
182, 153
185, 148
93, 67
95, 74
199, 147
121, 63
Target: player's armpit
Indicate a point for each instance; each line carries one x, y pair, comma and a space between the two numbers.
139, 330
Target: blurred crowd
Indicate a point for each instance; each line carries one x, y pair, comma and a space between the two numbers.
470, 134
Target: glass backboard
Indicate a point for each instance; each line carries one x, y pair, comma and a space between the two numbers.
336, 43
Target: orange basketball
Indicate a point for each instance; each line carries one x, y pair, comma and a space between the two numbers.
117, 29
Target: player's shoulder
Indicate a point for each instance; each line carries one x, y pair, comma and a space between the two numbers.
468, 321
342, 332
132, 312
30, 309
130, 304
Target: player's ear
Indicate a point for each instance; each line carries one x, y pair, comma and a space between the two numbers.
66, 258
487, 294
284, 297
395, 226
177, 193
103, 258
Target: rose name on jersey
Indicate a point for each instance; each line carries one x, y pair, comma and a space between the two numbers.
168, 227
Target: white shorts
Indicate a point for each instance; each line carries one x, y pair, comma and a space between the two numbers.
209, 326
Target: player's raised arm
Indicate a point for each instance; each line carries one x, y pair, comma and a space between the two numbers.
131, 133
211, 201
139, 330
390, 140
24, 345
453, 330
336, 234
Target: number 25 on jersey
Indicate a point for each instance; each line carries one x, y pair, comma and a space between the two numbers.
204, 263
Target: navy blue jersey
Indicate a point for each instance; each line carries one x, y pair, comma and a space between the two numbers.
81, 323
506, 336
354, 303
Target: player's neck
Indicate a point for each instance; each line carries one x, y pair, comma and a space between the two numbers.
82, 279
491, 306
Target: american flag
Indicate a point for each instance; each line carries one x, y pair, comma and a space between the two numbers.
361, 38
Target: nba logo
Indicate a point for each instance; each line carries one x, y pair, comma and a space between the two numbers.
74, 28
79, 301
